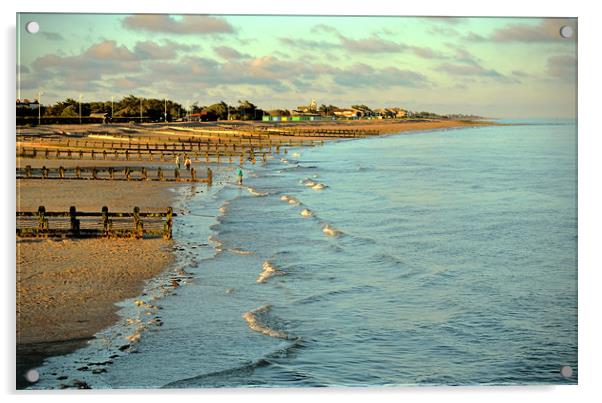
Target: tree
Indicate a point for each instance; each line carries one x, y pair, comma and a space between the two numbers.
70, 112
220, 110
246, 110
327, 110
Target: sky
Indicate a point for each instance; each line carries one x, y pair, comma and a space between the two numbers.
494, 67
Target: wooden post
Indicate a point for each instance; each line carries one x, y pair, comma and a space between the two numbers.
159, 174
42, 220
104, 154
62, 172
144, 174
81, 154
74, 221
78, 172
277, 149
44, 172
107, 225
111, 173
69, 153
218, 156
126, 171
94, 173
92, 154
58, 153
176, 174
138, 225
127, 155
116, 155
28, 171
193, 174
207, 156
167, 226
209, 177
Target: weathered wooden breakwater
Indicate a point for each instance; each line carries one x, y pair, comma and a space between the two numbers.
115, 173
78, 224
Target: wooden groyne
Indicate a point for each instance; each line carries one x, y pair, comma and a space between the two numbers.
215, 155
115, 173
106, 224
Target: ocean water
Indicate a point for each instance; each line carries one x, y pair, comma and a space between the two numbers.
436, 258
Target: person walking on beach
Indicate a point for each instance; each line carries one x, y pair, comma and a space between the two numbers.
187, 163
239, 173
177, 161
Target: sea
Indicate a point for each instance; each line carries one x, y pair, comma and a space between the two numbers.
437, 258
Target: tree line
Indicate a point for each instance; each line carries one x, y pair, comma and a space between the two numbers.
153, 109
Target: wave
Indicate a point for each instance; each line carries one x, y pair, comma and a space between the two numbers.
240, 251
256, 193
331, 231
319, 186
325, 295
253, 319
290, 200
225, 377
217, 244
306, 213
269, 270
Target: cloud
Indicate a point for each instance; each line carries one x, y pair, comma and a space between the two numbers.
52, 36
149, 50
426, 53
307, 43
373, 44
187, 24
109, 50
363, 75
474, 70
229, 53
547, 30
562, 66
95, 63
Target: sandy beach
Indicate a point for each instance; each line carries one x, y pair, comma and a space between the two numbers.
67, 289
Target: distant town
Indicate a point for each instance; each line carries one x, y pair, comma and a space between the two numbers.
137, 109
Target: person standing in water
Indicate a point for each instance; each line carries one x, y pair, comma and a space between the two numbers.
187, 163
239, 173
177, 161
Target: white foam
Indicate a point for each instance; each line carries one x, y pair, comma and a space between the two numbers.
285, 198
306, 213
256, 193
256, 324
296, 155
269, 270
330, 231
240, 251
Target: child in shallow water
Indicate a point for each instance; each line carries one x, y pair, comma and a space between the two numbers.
239, 173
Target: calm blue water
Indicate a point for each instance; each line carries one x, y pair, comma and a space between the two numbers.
434, 258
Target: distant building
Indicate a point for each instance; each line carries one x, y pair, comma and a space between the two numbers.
391, 113
204, 116
349, 113
26, 103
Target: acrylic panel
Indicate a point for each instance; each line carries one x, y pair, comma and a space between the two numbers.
208, 201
